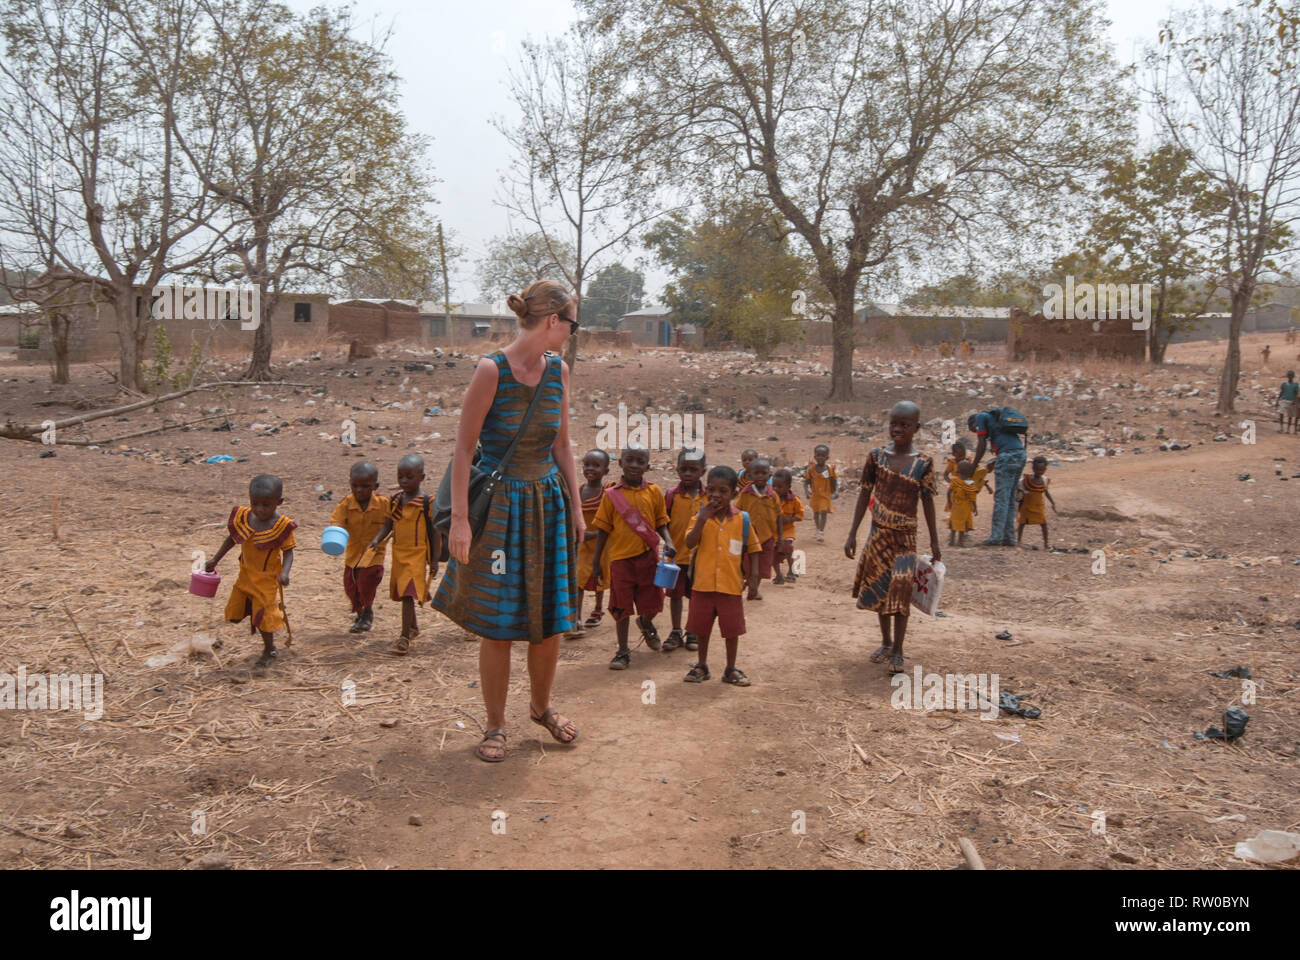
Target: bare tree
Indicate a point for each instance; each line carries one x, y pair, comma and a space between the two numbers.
317, 168
92, 187
877, 128
579, 179
1224, 88
514, 261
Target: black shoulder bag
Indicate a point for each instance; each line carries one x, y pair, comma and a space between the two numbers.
481, 482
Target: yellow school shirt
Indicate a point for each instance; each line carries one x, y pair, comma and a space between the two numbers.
764, 511
647, 500
362, 525
681, 517
791, 510
717, 555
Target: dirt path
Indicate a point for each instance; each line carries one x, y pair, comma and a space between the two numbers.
287, 772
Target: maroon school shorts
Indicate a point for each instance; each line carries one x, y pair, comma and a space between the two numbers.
360, 585
683, 586
726, 607
632, 585
765, 558
784, 548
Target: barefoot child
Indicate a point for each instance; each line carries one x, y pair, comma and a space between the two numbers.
1288, 400
266, 545
964, 491
820, 486
758, 499
362, 513
684, 502
899, 477
417, 545
595, 467
721, 545
1033, 488
630, 522
791, 513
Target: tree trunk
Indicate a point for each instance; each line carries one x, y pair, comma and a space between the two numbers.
1156, 344
132, 334
1232, 364
842, 353
259, 365
59, 325
571, 348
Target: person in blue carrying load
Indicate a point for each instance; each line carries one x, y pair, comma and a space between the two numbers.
1002, 431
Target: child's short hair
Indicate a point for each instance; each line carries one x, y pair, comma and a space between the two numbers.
691, 453
748, 453
265, 485
1290, 373
959, 442
821, 446
412, 461
784, 474
966, 468
635, 448
1042, 460
724, 472
363, 468
598, 452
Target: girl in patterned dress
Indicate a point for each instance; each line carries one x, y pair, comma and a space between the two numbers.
517, 580
899, 477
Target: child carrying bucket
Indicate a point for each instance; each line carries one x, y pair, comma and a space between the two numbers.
266, 542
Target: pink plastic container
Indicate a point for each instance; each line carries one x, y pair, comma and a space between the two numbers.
204, 584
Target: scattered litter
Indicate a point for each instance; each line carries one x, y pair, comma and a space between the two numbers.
1009, 737
220, 458
1232, 816
1234, 723
1010, 703
1270, 846
1004, 635
1242, 672
47, 453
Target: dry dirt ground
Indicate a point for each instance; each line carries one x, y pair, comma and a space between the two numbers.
203, 760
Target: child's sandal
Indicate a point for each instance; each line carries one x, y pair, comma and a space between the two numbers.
673, 641
692, 642
622, 660
735, 676
648, 632
401, 646
594, 619
699, 673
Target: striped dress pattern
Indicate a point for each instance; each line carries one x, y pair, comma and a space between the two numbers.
521, 579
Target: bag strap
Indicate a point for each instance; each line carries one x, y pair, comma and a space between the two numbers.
426, 507
744, 542
632, 517
528, 414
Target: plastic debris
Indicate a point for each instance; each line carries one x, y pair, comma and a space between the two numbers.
220, 458
199, 643
1270, 846
1234, 725
1242, 672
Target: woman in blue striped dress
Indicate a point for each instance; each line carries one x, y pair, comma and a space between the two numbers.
518, 580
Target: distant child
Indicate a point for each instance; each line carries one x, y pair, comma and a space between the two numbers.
684, 503
417, 545
1033, 488
362, 513
746, 458
595, 467
1265, 352
1288, 403
820, 486
791, 513
896, 477
963, 492
950, 469
719, 549
266, 544
631, 521
758, 499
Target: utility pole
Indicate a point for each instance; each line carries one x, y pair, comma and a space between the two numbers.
446, 290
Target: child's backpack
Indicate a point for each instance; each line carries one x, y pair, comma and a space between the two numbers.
1009, 420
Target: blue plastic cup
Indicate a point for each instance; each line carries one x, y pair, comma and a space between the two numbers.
666, 575
334, 540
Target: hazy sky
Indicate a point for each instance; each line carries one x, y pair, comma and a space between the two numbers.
452, 56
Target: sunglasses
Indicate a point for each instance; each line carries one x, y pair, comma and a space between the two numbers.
573, 324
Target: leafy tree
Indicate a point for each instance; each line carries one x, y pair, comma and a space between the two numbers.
875, 128
515, 261
733, 275
615, 292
